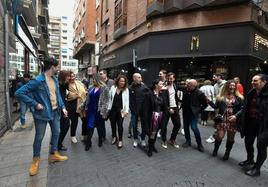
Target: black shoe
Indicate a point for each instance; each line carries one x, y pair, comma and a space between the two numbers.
88, 146
245, 163
62, 148
253, 172
225, 157
100, 143
186, 145
129, 135
200, 148
149, 153
154, 149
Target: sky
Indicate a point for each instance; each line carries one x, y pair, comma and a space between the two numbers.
61, 8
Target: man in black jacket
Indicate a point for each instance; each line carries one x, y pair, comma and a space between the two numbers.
173, 113
193, 102
257, 107
137, 104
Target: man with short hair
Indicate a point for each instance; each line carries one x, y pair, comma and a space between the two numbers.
219, 83
256, 124
23, 106
194, 101
173, 113
137, 104
163, 76
47, 103
239, 85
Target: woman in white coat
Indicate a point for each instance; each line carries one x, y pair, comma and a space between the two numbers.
118, 107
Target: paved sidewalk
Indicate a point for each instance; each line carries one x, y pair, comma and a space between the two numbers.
16, 156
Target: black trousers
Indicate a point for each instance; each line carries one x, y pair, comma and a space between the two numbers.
251, 132
64, 127
73, 115
175, 118
204, 115
117, 121
262, 144
99, 130
84, 126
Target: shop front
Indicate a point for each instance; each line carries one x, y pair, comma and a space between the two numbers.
192, 53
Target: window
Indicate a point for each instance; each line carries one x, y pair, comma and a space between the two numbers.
107, 5
120, 15
97, 27
97, 3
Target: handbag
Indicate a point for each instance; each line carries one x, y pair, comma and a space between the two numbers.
218, 118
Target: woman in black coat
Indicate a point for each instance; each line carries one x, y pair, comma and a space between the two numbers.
229, 105
157, 106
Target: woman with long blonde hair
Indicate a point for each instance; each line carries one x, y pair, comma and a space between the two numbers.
96, 107
229, 104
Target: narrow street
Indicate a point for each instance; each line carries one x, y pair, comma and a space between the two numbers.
108, 166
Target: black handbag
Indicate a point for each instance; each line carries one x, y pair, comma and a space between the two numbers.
218, 118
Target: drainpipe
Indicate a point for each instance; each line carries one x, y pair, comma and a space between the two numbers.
7, 70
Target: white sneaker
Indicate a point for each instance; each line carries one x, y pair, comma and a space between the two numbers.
182, 132
135, 143
164, 145
73, 139
210, 139
158, 134
143, 143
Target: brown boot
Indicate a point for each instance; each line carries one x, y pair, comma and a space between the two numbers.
34, 166
57, 157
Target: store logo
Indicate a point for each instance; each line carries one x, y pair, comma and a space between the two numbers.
195, 43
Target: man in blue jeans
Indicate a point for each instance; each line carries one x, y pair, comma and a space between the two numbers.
47, 105
194, 101
23, 106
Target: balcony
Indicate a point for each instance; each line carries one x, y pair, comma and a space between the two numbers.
28, 9
120, 32
173, 5
193, 4
221, 2
43, 16
155, 7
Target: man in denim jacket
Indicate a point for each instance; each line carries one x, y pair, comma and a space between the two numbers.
47, 104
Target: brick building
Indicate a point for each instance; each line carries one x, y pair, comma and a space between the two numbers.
193, 38
85, 35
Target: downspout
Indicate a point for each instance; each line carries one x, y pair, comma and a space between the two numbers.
7, 70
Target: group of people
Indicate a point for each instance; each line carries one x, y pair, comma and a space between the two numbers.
59, 101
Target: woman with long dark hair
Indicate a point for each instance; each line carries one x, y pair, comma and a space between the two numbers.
229, 104
64, 77
118, 107
96, 107
157, 107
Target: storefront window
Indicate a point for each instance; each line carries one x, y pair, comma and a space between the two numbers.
16, 71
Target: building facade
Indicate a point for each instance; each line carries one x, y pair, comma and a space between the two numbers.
84, 40
23, 41
193, 38
60, 46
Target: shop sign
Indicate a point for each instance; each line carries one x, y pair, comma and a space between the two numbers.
259, 40
108, 58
